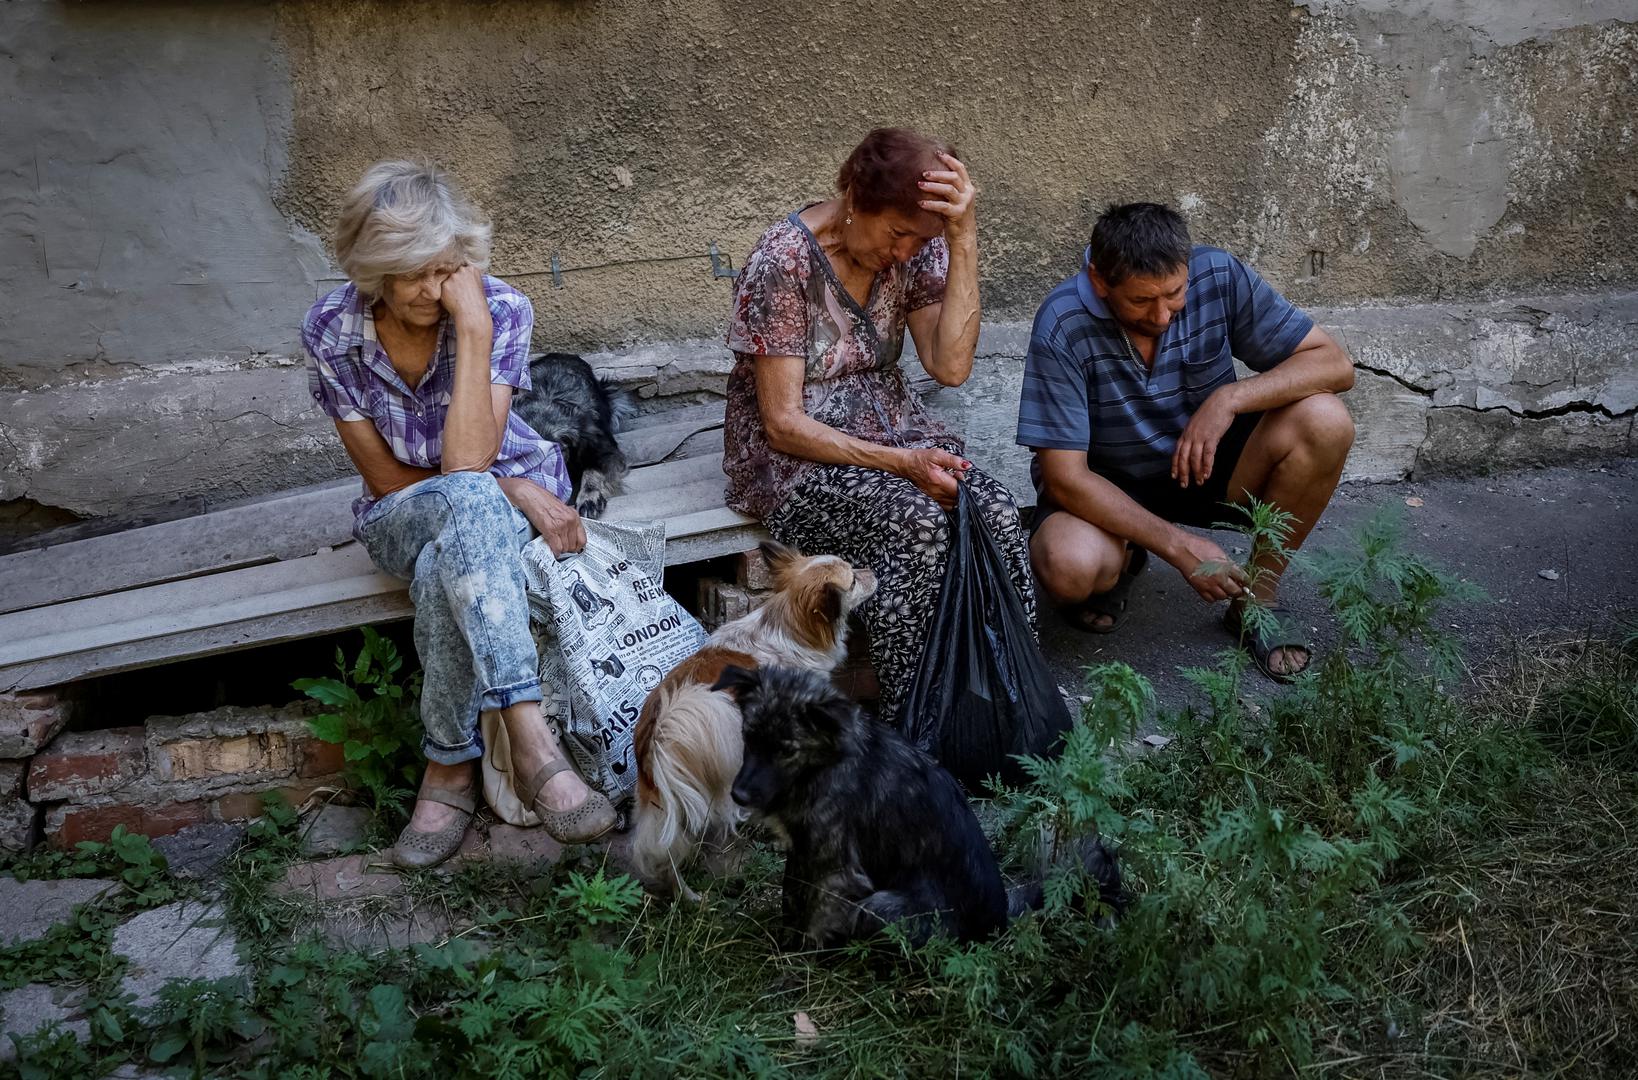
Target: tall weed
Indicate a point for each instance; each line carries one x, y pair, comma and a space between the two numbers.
374, 715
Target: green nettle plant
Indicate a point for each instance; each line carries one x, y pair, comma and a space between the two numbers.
1260, 842
374, 716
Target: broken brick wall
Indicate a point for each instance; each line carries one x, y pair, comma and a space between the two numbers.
60, 786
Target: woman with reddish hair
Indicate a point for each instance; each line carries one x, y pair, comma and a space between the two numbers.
824, 439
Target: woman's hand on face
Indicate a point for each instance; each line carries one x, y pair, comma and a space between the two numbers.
951, 195
935, 473
463, 298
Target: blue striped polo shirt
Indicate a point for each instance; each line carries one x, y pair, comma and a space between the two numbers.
1083, 390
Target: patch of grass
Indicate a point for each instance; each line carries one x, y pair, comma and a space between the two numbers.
1528, 910
1581, 698
1366, 876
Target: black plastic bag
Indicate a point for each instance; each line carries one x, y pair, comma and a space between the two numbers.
982, 693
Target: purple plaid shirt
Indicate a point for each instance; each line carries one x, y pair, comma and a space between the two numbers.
350, 377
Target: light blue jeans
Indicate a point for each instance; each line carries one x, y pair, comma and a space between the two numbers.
455, 539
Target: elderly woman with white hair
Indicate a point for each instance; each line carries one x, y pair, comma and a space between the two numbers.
416, 359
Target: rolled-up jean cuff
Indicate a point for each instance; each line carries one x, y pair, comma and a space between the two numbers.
452, 755
504, 697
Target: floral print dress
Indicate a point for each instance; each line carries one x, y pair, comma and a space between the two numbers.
789, 302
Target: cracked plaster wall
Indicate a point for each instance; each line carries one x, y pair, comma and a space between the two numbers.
168, 168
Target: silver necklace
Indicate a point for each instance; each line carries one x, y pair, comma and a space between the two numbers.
1131, 350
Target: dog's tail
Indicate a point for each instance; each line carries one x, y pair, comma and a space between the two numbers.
692, 760
622, 404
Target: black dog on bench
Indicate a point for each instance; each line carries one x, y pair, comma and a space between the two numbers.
878, 832
568, 404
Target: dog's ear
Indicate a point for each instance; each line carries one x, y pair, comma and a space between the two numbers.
827, 602
780, 558
831, 712
735, 679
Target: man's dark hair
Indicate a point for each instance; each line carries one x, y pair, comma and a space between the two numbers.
1145, 239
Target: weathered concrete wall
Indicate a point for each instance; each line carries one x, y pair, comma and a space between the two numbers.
1438, 388
141, 146
167, 168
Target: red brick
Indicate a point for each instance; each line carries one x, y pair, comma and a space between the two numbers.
29, 720
245, 805
751, 571
252, 755
81, 763
722, 603
68, 824
709, 606
315, 757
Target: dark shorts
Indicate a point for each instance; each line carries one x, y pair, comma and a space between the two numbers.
1201, 507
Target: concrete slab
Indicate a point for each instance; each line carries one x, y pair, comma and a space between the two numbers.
334, 830
374, 932
348, 877
27, 1009
184, 940
510, 844
33, 907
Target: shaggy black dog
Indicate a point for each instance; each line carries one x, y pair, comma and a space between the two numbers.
878, 832
572, 407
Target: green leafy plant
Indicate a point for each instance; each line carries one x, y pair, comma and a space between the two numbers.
78, 950
1261, 829
126, 855
140, 867
199, 1016
598, 899
373, 714
1269, 530
1381, 871
54, 1053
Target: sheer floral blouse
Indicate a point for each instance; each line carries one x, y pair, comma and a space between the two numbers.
789, 302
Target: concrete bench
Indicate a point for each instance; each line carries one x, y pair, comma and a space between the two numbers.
286, 567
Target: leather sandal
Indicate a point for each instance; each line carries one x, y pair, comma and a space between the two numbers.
417, 850
1262, 643
1102, 613
577, 825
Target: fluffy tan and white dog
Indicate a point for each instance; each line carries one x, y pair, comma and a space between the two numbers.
688, 741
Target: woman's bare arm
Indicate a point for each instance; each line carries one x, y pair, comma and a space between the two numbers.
792, 431
475, 422
383, 474
946, 334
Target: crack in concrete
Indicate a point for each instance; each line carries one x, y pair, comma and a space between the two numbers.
1523, 414
1400, 379
275, 421
1557, 410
